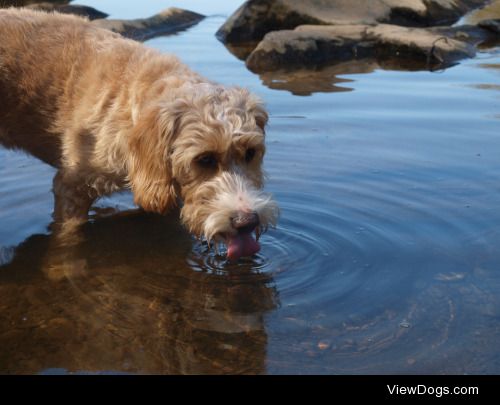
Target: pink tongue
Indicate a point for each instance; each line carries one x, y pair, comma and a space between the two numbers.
241, 245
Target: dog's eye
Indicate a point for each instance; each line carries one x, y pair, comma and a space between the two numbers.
207, 161
249, 155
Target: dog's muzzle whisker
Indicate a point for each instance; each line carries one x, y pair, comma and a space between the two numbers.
217, 248
257, 233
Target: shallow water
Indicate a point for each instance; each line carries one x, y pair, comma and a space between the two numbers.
385, 260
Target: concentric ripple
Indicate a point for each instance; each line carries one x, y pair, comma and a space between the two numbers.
313, 261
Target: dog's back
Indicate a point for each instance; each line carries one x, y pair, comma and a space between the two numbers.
36, 59
43, 58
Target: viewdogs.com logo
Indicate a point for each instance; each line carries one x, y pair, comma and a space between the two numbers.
438, 392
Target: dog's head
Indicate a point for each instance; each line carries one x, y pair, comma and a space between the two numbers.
206, 148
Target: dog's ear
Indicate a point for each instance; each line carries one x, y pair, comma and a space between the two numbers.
149, 168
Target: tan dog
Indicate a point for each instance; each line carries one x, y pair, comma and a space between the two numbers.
110, 114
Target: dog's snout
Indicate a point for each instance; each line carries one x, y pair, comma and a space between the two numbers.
245, 221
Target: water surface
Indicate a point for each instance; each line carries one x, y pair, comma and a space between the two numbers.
386, 258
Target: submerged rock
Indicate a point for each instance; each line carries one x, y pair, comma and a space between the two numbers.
168, 21
84, 11
255, 18
315, 45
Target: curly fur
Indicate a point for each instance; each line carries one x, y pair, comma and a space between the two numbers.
110, 114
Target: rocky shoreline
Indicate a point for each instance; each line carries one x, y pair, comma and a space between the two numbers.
409, 34
278, 35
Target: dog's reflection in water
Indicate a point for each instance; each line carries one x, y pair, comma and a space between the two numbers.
117, 295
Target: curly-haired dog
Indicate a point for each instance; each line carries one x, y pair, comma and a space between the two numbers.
110, 114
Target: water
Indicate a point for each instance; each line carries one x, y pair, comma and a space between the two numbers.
385, 260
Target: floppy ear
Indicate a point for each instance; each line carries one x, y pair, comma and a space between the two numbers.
149, 168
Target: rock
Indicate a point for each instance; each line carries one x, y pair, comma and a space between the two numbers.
491, 25
471, 34
418, 45
489, 12
308, 46
316, 45
168, 21
255, 18
243, 50
84, 11
22, 3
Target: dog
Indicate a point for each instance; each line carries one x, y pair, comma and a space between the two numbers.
111, 114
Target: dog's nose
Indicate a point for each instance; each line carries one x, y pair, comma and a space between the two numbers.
245, 221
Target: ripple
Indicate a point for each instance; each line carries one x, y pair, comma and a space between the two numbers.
313, 259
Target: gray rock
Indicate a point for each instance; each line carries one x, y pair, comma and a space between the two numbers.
84, 11
309, 46
489, 12
315, 45
22, 3
492, 25
168, 21
255, 18
472, 34
419, 46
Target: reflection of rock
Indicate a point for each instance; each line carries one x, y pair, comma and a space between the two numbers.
137, 307
168, 21
303, 82
255, 18
84, 11
315, 45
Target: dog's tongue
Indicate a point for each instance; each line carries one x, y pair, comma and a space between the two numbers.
242, 244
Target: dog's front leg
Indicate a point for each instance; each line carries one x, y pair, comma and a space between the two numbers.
72, 201
72, 198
